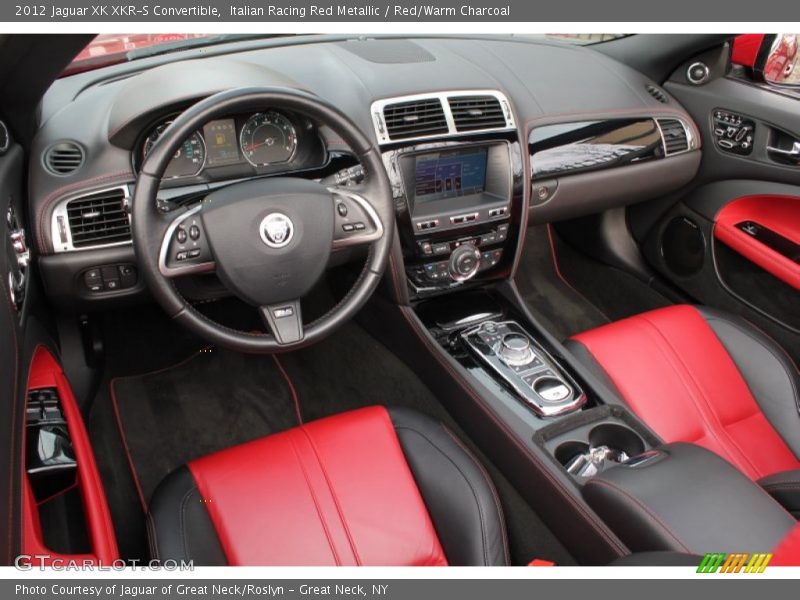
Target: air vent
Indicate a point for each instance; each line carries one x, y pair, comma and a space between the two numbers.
676, 138
5, 138
418, 118
657, 93
99, 219
473, 113
63, 158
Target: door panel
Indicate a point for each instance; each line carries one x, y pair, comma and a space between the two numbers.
11, 361
728, 239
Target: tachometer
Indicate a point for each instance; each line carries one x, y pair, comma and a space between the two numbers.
268, 138
188, 160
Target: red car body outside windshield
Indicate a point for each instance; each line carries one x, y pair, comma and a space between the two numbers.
110, 48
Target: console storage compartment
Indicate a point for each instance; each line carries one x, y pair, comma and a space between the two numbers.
682, 497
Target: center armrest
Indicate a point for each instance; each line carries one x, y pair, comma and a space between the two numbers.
684, 498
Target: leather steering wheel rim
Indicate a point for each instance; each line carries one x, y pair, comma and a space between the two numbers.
150, 225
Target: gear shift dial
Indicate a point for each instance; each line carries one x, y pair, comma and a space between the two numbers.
516, 350
506, 350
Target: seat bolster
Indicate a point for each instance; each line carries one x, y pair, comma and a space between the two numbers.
588, 360
178, 524
769, 372
458, 493
785, 488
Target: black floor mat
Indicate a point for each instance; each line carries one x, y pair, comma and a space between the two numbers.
214, 400
217, 399
571, 292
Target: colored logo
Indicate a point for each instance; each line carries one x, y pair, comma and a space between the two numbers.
720, 562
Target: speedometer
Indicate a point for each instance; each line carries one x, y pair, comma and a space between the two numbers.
188, 160
268, 138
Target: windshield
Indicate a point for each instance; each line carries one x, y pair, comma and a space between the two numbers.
112, 48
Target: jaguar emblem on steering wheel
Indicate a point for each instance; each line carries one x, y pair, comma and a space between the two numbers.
276, 230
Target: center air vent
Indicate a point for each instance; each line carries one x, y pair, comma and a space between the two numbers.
415, 119
473, 113
99, 219
63, 158
676, 137
451, 113
657, 93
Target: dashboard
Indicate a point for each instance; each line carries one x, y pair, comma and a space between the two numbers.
241, 145
480, 136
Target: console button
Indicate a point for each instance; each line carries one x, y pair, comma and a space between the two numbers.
348, 227
426, 248
502, 232
441, 248
489, 238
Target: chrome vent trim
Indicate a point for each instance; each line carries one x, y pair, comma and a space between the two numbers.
445, 100
406, 120
676, 136
98, 204
473, 113
64, 158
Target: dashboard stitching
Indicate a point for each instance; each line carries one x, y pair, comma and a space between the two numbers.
123, 176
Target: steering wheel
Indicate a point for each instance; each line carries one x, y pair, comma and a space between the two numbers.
268, 240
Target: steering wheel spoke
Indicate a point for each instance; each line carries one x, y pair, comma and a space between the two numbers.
184, 247
284, 320
356, 221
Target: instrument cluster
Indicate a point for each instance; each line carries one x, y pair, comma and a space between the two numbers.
265, 142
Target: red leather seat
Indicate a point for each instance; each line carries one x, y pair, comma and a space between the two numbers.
698, 375
367, 487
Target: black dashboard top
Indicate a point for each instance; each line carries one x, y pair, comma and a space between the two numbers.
108, 113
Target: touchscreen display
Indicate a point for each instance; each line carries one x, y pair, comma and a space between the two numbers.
222, 146
449, 174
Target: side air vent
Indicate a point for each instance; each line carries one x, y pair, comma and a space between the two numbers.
99, 219
418, 118
657, 93
676, 137
63, 158
473, 113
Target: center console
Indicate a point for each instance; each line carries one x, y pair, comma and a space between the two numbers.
456, 204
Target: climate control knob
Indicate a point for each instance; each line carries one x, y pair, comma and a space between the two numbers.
464, 262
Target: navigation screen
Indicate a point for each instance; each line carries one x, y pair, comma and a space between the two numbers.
449, 174
222, 147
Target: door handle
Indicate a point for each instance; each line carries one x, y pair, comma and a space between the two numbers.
793, 153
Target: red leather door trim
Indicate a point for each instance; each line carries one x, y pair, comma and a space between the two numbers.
46, 372
333, 492
781, 214
676, 375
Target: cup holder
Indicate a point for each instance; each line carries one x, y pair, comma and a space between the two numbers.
569, 450
617, 438
608, 444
